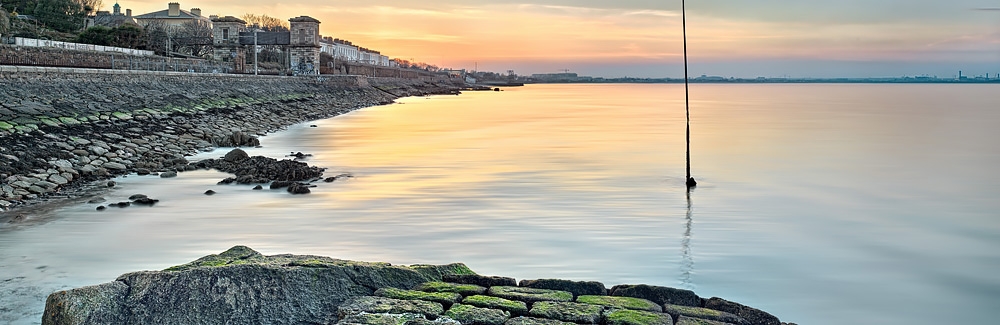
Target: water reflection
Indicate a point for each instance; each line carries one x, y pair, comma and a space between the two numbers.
687, 261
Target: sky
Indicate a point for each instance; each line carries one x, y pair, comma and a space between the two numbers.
642, 38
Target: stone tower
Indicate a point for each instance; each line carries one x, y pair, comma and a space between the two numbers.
226, 40
304, 45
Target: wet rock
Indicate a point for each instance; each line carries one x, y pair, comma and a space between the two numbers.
236, 139
236, 155
122, 204
703, 313
210, 192
142, 171
97, 200
753, 315
280, 184
471, 315
258, 187
146, 201
515, 308
299, 155
529, 294
481, 280
17, 219
657, 294
227, 180
113, 166
168, 174
577, 288
440, 286
111, 183
101, 208
568, 311
134, 197
636, 317
619, 302
298, 188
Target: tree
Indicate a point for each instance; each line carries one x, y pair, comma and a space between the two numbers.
4, 22
97, 35
156, 37
128, 36
265, 22
194, 37
61, 15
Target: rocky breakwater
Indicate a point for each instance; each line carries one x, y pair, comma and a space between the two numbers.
241, 286
61, 130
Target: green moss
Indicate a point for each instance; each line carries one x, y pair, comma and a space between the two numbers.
381, 319
470, 315
311, 263
514, 307
567, 311
684, 320
530, 294
6, 126
438, 286
620, 302
380, 305
234, 256
637, 317
693, 311
69, 120
122, 115
445, 298
50, 122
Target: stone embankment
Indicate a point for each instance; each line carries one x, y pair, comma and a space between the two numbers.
241, 286
64, 128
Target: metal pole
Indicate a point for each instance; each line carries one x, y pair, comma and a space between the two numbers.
690, 182
255, 52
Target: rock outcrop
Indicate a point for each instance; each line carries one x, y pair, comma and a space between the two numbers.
241, 286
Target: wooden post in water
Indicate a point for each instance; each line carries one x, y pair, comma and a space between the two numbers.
687, 100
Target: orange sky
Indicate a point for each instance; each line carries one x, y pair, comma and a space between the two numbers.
643, 36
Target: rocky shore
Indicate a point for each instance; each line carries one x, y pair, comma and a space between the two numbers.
63, 129
241, 286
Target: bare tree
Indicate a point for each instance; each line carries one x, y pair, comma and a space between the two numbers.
265, 22
157, 36
4, 21
194, 37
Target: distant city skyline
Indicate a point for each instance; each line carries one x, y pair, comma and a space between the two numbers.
641, 38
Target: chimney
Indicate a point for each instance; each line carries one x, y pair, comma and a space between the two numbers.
173, 9
128, 12
196, 11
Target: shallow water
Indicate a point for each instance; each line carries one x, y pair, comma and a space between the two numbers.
817, 203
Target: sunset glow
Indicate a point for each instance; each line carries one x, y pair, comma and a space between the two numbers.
642, 38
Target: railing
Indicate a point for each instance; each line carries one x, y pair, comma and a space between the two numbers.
31, 42
57, 57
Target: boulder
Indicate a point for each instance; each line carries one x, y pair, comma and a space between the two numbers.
238, 286
236, 155
753, 315
481, 280
657, 294
577, 288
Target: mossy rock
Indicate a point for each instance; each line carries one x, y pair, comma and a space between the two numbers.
636, 317
438, 286
530, 294
480, 280
704, 313
577, 288
380, 319
568, 311
445, 298
69, 120
383, 305
438, 271
471, 315
51, 122
620, 302
657, 294
684, 320
24, 128
514, 307
6, 126
233, 256
535, 321
122, 115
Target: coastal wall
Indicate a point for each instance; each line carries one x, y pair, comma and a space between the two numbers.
241, 286
64, 127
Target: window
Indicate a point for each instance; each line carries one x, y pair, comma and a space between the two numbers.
225, 34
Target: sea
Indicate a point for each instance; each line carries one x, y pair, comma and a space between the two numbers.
819, 203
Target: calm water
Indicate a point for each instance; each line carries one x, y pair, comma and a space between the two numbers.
818, 203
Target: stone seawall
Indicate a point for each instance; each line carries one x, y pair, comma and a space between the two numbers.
241, 286
61, 127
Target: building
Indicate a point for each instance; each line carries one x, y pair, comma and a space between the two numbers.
226, 40
305, 45
112, 19
173, 16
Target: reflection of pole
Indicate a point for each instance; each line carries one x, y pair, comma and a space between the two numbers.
687, 101
687, 262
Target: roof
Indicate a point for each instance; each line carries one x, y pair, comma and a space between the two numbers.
228, 19
304, 19
163, 14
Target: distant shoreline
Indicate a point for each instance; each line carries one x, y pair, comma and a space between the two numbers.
779, 81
